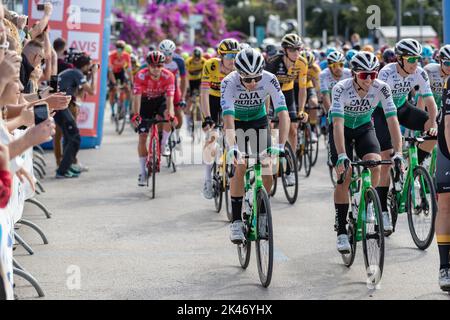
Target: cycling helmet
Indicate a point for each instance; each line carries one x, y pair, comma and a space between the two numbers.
155, 57
228, 46
444, 53
335, 57
291, 40
197, 52
128, 49
120, 44
330, 50
244, 46
368, 48
389, 56
249, 62
185, 55
427, 52
309, 56
350, 54
408, 47
167, 47
365, 61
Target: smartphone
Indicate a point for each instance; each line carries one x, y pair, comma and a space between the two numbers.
41, 7
40, 113
54, 84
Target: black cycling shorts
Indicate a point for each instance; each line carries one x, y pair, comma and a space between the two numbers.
409, 117
290, 103
442, 172
310, 92
194, 85
150, 108
363, 138
254, 134
215, 109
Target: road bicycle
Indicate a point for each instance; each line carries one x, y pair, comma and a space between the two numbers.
415, 195
304, 148
153, 163
257, 217
121, 108
365, 221
314, 147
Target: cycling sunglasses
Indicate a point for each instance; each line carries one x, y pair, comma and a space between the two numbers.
158, 65
294, 49
412, 59
337, 64
446, 63
229, 56
365, 75
250, 79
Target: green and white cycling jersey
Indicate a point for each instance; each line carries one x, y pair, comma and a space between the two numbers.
401, 87
436, 82
246, 105
327, 80
357, 111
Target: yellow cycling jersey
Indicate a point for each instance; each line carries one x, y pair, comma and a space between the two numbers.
313, 74
194, 68
285, 76
212, 77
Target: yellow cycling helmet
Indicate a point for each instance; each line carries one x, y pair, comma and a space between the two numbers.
308, 55
128, 49
228, 46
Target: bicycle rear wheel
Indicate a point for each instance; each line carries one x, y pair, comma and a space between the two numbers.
307, 153
422, 208
392, 205
217, 188
228, 196
264, 242
291, 192
373, 237
349, 258
273, 191
315, 151
244, 252
121, 115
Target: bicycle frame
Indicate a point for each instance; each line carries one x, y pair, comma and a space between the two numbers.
355, 186
154, 136
258, 184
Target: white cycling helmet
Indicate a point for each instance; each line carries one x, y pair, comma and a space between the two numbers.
444, 52
249, 63
364, 61
335, 57
243, 46
408, 47
167, 47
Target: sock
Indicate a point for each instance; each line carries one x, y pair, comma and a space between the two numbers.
236, 205
143, 162
444, 251
383, 194
208, 173
165, 138
341, 217
421, 155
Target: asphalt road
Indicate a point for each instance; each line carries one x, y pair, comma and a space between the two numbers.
109, 240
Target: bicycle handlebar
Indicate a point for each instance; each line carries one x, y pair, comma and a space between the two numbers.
420, 140
366, 164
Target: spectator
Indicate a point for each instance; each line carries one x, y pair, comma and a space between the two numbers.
75, 83
356, 41
60, 46
32, 56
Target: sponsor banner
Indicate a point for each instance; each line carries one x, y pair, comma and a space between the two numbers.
85, 41
86, 118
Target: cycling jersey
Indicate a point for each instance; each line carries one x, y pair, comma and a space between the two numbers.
357, 111
195, 68
121, 63
177, 67
246, 105
144, 84
327, 80
436, 82
313, 74
212, 77
401, 87
286, 76
443, 144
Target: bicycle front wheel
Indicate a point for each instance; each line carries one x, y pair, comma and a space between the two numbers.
121, 116
373, 237
421, 208
154, 167
264, 242
349, 258
228, 196
290, 167
217, 189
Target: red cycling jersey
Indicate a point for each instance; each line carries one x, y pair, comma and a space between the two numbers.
121, 63
144, 84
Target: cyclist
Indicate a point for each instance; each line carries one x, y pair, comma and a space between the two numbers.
288, 66
119, 70
388, 57
427, 55
402, 76
354, 101
194, 67
438, 73
312, 86
443, 186
154, 89
176, 65
214, 71
332, 75
244, 93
